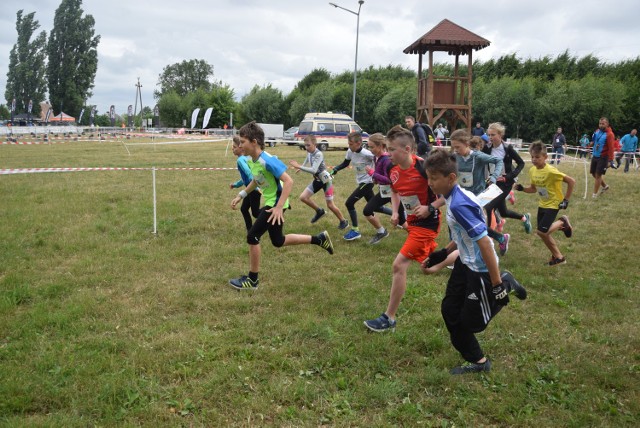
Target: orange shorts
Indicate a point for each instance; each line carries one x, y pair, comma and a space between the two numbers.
420, 243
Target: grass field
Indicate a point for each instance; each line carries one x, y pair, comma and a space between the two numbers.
103, 323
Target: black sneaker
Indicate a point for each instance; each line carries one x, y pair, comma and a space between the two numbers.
319, 213
244, 283
325, 241
472, 368
381, 324
566, 228
379, 237
513, 285
555, 262
343, 224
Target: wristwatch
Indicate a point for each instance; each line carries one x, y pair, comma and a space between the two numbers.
432, 209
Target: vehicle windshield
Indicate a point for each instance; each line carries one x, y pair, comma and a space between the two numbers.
305, 127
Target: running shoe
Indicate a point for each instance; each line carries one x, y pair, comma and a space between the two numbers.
244, 283
325, 241
381, 324
352, 235
379, 237
567, 229
527, 223
555, 262
319, 213
472, 368
343, 224
504, 245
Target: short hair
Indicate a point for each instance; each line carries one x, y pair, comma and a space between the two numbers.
398, 133
310, 138
410, 117
441, 162
460, 135
498, 127
476, 143
378, 140
236, 141
354, 136
252, 131
537, 148
604, 118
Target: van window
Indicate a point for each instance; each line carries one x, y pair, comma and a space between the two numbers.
356, 128
342, 127
325, 127
306, 127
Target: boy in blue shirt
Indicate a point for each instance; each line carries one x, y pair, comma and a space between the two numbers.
476, 290
250, 204
269, 173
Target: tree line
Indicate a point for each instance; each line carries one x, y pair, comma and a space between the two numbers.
532, 97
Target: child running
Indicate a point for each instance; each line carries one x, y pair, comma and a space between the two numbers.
411, 189
269, 173
250, 204
314, 165
361, 158
380, 175
476, 290
547, 181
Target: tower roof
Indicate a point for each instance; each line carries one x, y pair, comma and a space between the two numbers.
447, 37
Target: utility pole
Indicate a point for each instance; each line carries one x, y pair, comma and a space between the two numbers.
138, 96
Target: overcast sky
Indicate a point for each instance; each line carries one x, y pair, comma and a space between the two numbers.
253, 42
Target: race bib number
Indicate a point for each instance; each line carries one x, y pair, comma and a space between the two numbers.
385, 190
543, 192
465, 179
410, 202
324, 176
262, 182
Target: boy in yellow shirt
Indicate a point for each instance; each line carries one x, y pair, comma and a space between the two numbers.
547, 181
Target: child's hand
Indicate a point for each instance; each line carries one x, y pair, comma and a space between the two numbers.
235, 201
231, 185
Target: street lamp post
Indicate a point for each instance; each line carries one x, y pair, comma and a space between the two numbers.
355, 68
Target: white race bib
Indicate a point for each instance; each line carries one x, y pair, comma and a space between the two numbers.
324, 176
410, 202
465, 179
385, 190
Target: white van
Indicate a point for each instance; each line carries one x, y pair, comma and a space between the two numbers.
330, 129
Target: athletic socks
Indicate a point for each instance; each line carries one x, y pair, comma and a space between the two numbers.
253, 276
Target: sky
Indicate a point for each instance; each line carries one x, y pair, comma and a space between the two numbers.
278, 42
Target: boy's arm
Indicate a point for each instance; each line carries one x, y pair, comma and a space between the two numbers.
490, 259
243, 193
571, 183
345, 163
395, 208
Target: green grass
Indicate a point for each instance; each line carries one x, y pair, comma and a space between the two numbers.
103, 323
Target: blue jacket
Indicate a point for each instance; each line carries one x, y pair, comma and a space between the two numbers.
629, 143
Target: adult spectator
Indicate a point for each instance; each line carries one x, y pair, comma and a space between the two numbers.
584, 146
441, 132
603, 140
629, 145
478, 131
422, 134
557, 143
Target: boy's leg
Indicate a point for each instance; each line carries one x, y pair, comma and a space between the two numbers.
398, 284
305, 198
260, 226
254, 198
547, 224
245, 210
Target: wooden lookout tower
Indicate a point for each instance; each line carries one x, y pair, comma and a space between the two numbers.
446, 96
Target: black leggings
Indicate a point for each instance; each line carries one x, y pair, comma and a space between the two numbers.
261, 226
364, 190
250, 206
500, 204
377, 204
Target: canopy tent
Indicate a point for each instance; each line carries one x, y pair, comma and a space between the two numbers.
62, 117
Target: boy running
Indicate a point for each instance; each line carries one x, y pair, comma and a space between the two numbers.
314, 165
476, 290
269, 173
411, 189
361, 158
547, 181
250, 204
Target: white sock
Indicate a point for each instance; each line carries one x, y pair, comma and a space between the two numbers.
380, 230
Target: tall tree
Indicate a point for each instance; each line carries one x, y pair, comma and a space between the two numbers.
184, 77
26, 75
73, 57
264, 104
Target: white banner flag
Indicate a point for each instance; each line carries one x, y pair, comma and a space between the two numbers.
207, 116
194, 117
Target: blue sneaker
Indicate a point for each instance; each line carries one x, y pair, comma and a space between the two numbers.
527, 223
352, 235
244, 283
381, 324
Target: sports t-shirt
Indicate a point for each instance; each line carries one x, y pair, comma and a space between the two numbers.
548, 182
467, 226
316, 164
266, 171
413, 188
360, 160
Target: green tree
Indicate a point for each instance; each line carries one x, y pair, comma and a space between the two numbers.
185, 77
73, 57
26, 75
221, 98
263, 104
395, 105
172, 113
4, 112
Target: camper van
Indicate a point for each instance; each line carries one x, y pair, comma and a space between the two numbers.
330, 129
